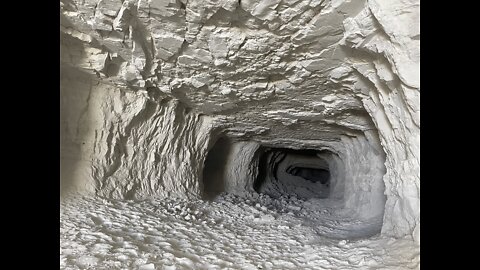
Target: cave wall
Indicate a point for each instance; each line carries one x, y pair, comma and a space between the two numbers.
242, 167
132, 147
364, 183
147, 86
384, 69
123, 144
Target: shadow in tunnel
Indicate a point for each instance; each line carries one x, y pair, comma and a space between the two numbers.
215, 168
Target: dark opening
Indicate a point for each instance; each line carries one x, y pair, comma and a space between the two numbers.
214, 169
290, 172
311, 174
262, 170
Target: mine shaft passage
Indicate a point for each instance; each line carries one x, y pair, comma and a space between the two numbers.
310, 179
288, 172
239, 167
214, 168
312, 174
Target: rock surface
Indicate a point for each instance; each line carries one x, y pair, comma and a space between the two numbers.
229, 233
148, 87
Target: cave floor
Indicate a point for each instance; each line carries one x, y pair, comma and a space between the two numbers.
231, 232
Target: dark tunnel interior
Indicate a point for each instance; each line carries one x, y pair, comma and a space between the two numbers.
291, 172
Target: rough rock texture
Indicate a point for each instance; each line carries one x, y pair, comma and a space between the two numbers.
387, 79
127, 144
231, 233
279, 179
241, 167
149, 86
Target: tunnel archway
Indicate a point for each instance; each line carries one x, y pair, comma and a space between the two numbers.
214, 168
348, 182
289, 172
313, 175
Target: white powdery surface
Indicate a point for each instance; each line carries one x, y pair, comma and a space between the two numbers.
252, 232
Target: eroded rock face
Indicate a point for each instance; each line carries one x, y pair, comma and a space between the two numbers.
148, 87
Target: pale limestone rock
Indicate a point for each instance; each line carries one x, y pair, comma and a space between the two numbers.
393, 74
147, 88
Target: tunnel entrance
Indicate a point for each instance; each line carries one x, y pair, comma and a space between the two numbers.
289, 172
320, 186
214, 168
311, 174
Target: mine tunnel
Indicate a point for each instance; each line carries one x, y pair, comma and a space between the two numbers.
214, 169
311, 174
350, 179
301, 173
281, 171
190, 130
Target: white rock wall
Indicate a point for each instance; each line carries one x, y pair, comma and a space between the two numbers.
384, 69
241, 168
122, 144
158, 151
231, 167
147, 86
364, 170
